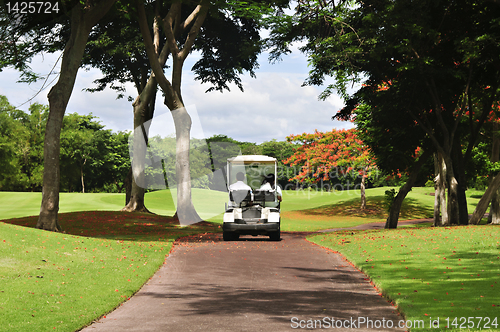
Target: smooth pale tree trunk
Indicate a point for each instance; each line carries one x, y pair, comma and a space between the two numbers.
483, 203
143, 109
143, 112
81, 176
393, 217
440, 206
453, 209
140, 144
363, 192
186, 212
494, 216
82, 20
453, 203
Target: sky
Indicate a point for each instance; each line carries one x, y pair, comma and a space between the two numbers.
273, 105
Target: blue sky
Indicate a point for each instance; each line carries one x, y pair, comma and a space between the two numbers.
273, 106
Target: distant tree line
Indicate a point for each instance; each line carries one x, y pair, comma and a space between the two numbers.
93, 159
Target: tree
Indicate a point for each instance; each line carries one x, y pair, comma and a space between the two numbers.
325, 156
228, 41
182, 24
12, 135
92, 158
394, 139
432, 58
281, 150
115, 47
67, 25
21, 146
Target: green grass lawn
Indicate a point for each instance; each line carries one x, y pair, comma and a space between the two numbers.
301, 210
63, 282
444, 273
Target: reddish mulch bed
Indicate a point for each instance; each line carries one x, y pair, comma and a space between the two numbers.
117, 224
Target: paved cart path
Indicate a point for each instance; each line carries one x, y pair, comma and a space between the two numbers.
250, 285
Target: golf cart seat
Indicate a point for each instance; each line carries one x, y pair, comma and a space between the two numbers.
265, 197
240, 196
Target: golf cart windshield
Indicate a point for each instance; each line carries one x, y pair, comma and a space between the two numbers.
254, 167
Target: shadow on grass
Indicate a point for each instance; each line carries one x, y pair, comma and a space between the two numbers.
121, 225
375, 209
449, 271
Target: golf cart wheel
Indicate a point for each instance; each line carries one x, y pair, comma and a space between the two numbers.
230, 236
275, 236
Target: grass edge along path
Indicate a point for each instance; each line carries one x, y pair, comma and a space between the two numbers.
63, 282
449, 273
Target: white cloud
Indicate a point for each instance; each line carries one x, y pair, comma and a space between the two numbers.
272, 106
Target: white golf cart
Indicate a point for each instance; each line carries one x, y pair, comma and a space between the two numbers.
251, 212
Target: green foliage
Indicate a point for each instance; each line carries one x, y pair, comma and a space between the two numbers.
389, 198
424, 65
92, 156
87, 150
430, 183
21, 144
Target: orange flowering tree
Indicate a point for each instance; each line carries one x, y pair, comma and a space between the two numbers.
334, 154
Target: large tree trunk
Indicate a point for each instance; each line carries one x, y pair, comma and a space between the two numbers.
136, 201
440, 192
144, 107
453, 209
186, 212
483, 203
393, 217
143, 112
82, 21
494, 217
172, 90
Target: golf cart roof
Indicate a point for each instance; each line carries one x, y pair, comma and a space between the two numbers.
248, 159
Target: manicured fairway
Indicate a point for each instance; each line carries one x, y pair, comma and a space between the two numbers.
302, 210
431, 273
64, 281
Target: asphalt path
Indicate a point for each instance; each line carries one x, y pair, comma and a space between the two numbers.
253, 285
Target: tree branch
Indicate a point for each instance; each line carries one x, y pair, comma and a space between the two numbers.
195, 29
153, 59
168, 23
428, 131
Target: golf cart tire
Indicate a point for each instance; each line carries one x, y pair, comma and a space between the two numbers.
275, 236
230, 236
